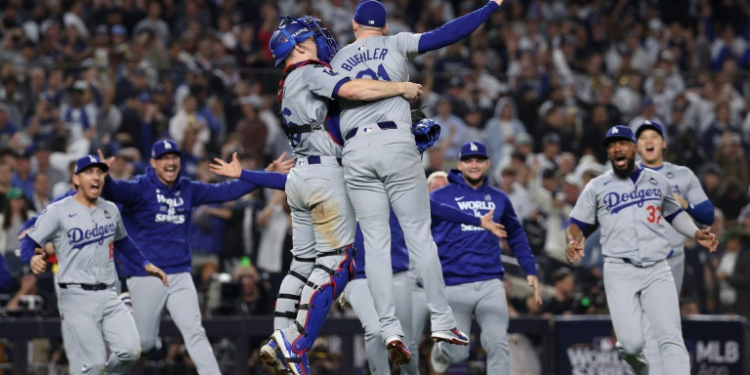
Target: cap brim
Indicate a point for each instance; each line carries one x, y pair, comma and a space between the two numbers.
473, 154
646, 127
103, 166
613, 137
176, 152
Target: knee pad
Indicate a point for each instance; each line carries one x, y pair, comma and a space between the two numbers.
323, 298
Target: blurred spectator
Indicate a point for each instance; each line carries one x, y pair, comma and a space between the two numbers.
80, 114
561, 302
733, 274
41, 199
23, 177
186, 119
42, 166
501, 131
154, 23
15, 213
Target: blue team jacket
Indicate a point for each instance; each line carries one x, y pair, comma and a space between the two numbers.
470, 254
399, 251
157, 217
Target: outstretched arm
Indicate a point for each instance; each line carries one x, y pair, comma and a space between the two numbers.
457, 29
273, 180
371, 90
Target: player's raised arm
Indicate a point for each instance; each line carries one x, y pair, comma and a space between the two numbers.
457, 29
273, 180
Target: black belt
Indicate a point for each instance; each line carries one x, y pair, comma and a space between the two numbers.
316, 160
301, 129
85, 286
382, 125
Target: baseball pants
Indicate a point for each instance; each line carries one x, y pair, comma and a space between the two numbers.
486, 301
420, 312
651, 351
383, 170
322, 220
358, 295
97, 320
71, 348
638, 293
149, 297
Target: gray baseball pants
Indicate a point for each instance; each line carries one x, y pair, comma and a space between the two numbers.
634, 293
149, 297
97, 320
484, 300
383, 170
358, 295
651, 351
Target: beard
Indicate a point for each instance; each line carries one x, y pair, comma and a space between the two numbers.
474, 181
624, 173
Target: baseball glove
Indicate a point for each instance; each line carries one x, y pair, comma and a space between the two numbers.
426, 131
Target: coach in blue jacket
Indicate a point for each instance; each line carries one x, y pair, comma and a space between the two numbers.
156, 210
470, 257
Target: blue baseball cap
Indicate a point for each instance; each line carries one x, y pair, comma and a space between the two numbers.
473, 148
370, 13
650, 125
164, 147
89, 161
618, 132
290, 32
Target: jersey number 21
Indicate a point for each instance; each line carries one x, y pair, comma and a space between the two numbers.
381, 74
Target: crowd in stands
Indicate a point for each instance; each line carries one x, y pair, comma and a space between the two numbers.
540, 83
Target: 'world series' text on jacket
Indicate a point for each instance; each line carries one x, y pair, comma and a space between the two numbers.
157, 217
467, 253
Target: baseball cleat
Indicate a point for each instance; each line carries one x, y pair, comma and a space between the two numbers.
298, 363
398, 352
453, 336
439, 364
269, 357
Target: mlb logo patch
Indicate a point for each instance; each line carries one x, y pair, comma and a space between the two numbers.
367, 129
371, 22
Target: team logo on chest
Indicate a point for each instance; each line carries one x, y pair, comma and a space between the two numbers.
615, 202
81, 237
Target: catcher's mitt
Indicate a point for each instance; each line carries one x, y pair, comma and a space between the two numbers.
426, 131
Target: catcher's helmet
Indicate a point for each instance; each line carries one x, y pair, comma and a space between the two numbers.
292, 31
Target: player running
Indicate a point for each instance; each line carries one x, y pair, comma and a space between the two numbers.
383, 169
85, 230
689, 194
631, 204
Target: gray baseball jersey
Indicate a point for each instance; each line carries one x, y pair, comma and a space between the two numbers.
377, 57
83, 239
631, 215
306, 94
686, 185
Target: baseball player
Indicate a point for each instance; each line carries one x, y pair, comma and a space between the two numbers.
71, 347
156, 211
359, 297
689, 194
470, 259
382, 167
632, 205
85, 230
322, 217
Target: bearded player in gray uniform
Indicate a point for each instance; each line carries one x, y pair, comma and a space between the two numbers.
383, 169
631, 205
85, 231
688, 192
323, 223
